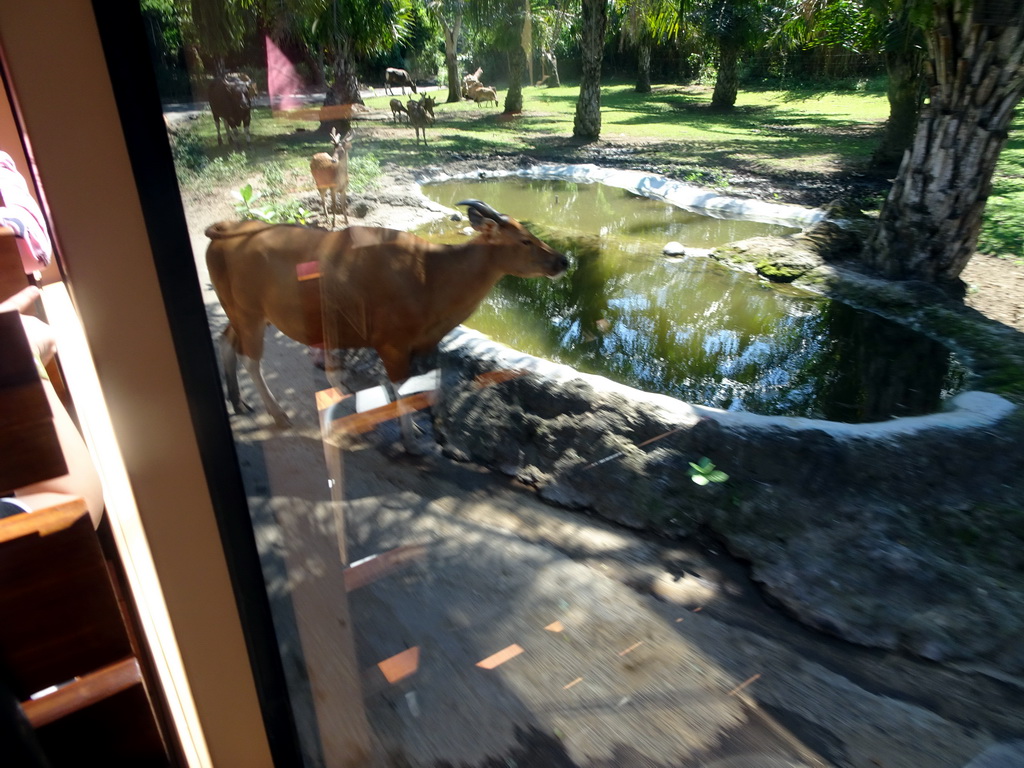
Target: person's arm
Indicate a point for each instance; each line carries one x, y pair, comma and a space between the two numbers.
82, 479
21, 217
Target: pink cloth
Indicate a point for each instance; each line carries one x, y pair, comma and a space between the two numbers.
21, 212
283, 83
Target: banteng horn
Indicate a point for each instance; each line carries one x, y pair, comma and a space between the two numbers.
484, 210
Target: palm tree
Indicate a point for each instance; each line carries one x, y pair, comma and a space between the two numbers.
928, 227
729, 27
587, 123
643, 24
216, 28
548, 23
340, 29
903, 49
505, 24
449, 15
870, 25
352, 28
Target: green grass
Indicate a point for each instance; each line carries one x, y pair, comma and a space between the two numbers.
1002, 233
672, 130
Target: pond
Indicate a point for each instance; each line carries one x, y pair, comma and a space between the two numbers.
691, 327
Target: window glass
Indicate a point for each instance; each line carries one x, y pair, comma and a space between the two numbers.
478, 557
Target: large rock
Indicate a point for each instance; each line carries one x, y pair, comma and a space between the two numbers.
911, 541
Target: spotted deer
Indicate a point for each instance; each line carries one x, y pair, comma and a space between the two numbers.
330, 172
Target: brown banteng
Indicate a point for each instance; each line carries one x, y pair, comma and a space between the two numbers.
379, 288
394, 76
330, 172
231, 97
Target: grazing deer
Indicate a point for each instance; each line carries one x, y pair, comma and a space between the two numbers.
330, 172
397, 108
485, 93
394, 76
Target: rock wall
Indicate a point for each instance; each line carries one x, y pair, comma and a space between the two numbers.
903, 534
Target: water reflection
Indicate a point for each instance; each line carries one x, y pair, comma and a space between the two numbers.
698, 331
582, 209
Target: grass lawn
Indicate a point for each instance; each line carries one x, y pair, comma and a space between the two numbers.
797, 134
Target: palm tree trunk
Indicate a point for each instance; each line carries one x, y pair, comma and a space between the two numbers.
553, 80
643, 67
727, 82
928, 228
904, 91
344, 90
587, 124
514, 96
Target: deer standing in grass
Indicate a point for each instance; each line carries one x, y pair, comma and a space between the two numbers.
330, 172
421, 114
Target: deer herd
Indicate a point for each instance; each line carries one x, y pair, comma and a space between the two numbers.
375, 287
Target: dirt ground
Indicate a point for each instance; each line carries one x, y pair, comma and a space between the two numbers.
995, 287
776, 693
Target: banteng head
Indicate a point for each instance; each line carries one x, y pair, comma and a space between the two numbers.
524, 255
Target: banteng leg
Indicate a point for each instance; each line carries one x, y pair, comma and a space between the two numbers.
409, 433
273, 407
250, 346
397, 364
229, 360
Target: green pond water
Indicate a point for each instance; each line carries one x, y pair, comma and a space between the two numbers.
690, 327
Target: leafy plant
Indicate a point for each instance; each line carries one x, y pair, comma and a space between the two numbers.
188, 151
226, 168
273, 178
273, 211
364, 172
704, 472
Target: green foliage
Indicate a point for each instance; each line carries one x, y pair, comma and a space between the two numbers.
364, 172
188, 152
704, 472
273, 179
273, 211
227, 168
713, 177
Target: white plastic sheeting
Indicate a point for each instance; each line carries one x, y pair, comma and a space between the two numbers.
678, 193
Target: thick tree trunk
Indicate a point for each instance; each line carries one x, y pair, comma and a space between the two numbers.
344, 89
552, 80
905, 92
727, 82
643, 67
928, 228
454, 81
587, 124
514, 96
451, 46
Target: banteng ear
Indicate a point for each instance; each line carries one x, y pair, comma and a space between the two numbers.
475, 218
481, 223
